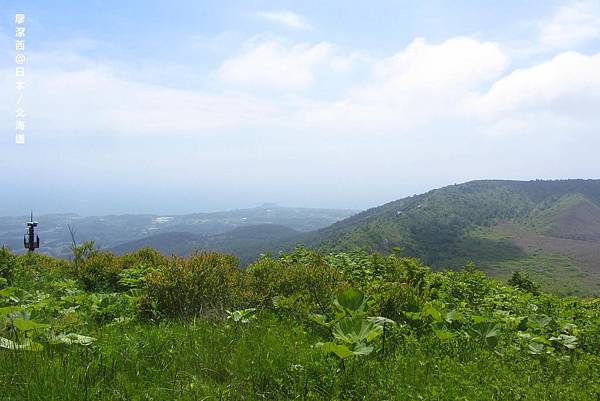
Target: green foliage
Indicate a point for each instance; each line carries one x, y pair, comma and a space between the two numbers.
25, 345
242, 315
25, 325
72, 339
99, 271
134, 277
104, 271
356, 330
299, 283
487, 332
523, 282
352, 330
7, 263
366, 271
468, 285
135, 266
82, 252
352, 302
184, 287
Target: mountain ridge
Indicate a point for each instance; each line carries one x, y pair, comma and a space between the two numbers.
488, 222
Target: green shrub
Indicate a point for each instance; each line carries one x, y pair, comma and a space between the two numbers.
99, 271
134, 267
411, 272
104, 308
203, 283
468, 286
312, 285
393, 299
145, 256
7, 264
523, 282
368, 270
34, 270
397, 284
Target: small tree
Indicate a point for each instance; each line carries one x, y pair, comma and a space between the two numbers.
523, 282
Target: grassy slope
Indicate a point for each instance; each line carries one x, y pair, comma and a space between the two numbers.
547, 260
573, 216
557, 244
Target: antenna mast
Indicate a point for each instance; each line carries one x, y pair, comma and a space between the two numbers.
31, 241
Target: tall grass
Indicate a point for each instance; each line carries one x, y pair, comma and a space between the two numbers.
272, 359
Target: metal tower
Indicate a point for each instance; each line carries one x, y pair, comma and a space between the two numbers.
31, 241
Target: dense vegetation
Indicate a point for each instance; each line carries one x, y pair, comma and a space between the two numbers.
304, 325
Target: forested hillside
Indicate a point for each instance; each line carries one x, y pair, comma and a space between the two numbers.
558, 223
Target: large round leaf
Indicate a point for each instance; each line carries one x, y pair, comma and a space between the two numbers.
352, 300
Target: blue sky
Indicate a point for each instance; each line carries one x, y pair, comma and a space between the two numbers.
182, 106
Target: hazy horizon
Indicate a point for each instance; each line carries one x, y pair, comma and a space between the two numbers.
263, 204
180, 107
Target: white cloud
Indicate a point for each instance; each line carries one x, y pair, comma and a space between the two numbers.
570, 82
287, 18
272, 65
94, 100
416, 86
572, 25
557, 97
426, 87
457, 62
438, 71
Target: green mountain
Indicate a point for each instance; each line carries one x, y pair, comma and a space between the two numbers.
244, 242
550, 229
